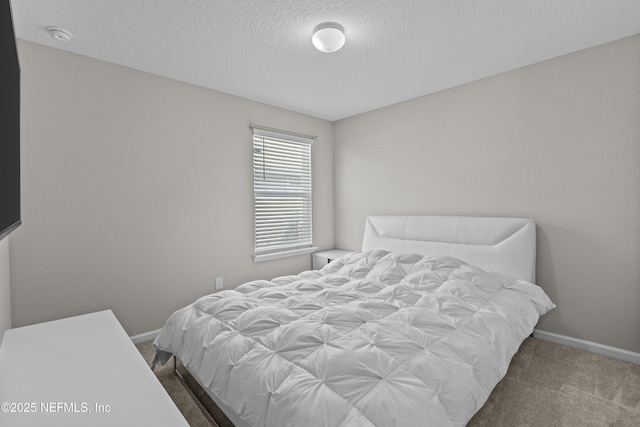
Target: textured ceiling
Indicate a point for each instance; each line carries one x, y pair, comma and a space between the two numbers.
261, 49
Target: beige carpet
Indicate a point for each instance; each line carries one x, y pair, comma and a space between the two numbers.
176, 390
547, 384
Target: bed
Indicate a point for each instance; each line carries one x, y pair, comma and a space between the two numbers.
416, 328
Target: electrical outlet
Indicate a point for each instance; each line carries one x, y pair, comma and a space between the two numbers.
219, 283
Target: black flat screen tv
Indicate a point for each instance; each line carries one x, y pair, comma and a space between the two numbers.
10, 126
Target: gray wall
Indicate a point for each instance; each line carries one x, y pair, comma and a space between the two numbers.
558, 142
137, 191
5, 287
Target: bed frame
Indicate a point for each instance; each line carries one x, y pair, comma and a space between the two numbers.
501, 244
209, 407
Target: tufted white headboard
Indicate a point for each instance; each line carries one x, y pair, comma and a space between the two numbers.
504, 245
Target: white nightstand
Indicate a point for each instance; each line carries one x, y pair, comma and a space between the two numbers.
322, 258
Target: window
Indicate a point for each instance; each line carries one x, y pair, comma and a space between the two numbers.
281, 193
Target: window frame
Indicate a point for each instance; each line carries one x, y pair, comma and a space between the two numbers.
288, 191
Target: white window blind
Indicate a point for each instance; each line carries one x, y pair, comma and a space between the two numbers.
282, 192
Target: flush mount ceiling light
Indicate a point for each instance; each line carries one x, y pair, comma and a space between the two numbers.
328, 37
59, 34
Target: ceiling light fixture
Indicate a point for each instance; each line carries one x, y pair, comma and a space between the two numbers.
328, 37
59, 34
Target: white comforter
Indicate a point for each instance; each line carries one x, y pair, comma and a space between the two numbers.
372, 339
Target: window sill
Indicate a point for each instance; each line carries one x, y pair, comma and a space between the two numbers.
283, 254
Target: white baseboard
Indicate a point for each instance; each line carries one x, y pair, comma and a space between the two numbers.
146, 336
605, 350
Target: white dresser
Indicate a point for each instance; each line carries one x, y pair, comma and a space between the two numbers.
79, 371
